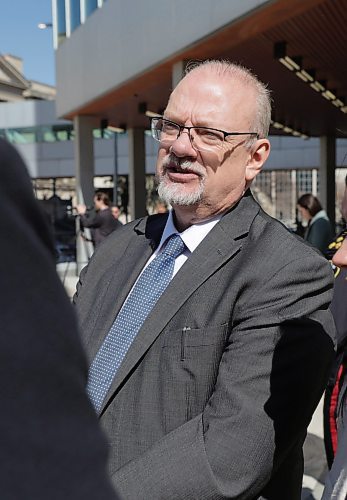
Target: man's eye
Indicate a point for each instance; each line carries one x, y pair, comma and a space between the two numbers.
169, 127
209, 134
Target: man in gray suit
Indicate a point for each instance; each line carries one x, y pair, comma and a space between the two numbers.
210, 394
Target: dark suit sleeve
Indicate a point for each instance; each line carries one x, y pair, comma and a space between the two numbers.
271, 377
51, 446
92, 219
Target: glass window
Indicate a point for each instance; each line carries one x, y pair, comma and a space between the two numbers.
97, 133
61, 19
75, 14
62, 132
91, 5
304, 182
108, 134
103, 133
47, 134
22, 135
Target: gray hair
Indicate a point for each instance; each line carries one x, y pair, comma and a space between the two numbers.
262, 119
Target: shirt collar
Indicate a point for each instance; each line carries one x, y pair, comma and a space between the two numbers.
193, 235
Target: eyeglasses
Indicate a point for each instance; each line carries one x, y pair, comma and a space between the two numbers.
201, 138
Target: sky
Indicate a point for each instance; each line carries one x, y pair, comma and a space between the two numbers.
20, 36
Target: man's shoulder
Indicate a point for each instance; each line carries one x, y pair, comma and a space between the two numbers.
151, 226
281, 243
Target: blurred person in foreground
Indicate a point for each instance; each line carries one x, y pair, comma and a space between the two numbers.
100, 220
207, 328
319, 231
51, 446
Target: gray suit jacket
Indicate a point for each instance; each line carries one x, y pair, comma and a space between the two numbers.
213, 398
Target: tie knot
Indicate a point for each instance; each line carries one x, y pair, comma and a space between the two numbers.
174, 246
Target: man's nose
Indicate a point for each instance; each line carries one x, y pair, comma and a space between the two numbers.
340, 257
182, 146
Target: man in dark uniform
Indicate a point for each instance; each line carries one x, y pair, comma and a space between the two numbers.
336, 481
337, 254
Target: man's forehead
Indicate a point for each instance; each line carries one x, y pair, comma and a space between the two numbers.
206, 80
206, 94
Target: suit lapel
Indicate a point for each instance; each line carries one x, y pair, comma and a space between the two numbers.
123, 278
219, 246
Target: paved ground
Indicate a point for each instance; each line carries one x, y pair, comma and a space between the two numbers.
67, 274
315, 462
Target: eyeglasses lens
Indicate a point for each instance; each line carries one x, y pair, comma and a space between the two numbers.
202, 139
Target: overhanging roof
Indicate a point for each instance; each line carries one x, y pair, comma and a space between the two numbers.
313, 29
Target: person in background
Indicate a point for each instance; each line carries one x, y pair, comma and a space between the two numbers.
115, 211
51, 444
319, 231
203, 328
340, 258
160, 207
100, 220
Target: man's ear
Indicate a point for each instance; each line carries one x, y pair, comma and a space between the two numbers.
258, 155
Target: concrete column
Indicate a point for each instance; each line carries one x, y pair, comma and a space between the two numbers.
84, 169
273, 192
294, 195
315, 182
137, 171
84, 158
327, 175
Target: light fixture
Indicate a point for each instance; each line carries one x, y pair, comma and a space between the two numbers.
288, 130
105, 126
317, 86
306, 75
152, 114
294, 64
338, 103
44, 26
142, 109
118, 130
280, 53
329, 95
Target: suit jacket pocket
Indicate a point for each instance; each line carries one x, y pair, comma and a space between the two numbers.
187, 341
188, 364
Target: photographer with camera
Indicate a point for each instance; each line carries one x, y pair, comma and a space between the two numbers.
99, 219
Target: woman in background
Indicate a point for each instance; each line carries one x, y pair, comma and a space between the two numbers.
319, 231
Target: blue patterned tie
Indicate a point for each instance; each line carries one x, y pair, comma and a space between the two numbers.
141, 300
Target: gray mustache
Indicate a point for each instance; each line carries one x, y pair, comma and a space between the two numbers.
183, 164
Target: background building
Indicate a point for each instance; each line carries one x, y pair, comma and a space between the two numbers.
108, 80
117, 61
15, 87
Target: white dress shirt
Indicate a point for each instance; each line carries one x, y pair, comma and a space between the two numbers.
192, 237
